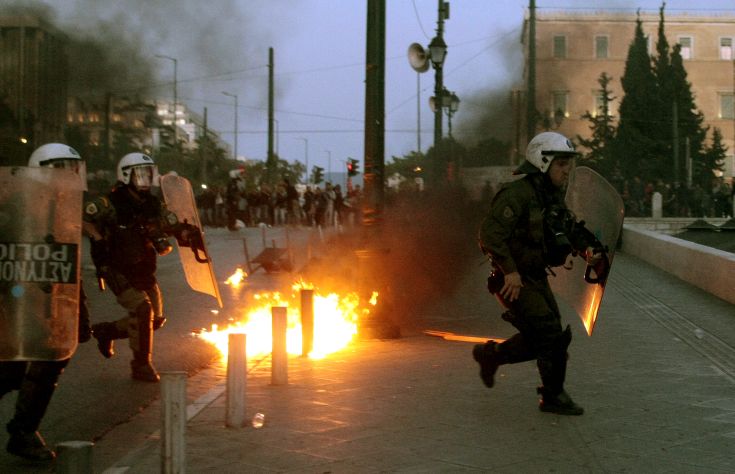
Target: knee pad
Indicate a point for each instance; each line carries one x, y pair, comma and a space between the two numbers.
143, 312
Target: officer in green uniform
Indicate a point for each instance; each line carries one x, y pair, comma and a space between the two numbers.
129, 227
527, 231
36, 380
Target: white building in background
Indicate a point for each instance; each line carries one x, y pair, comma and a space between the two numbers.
574, 48
189, 125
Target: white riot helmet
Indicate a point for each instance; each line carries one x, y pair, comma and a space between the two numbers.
542, 150
138, 170
58, 155
238, 173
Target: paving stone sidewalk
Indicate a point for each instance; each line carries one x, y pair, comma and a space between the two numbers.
657, 380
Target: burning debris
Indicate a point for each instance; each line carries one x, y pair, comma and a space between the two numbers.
236, 278
335, 322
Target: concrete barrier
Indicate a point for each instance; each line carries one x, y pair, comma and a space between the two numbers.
709, 269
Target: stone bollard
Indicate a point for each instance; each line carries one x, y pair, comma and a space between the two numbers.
279, 357
307, 321
237, 371
173, 422
74, 457
656, 205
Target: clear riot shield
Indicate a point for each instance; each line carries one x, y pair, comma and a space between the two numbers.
40, 236
197, 265
595, 201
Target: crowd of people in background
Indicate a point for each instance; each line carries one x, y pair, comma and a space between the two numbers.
236, 205
677, 200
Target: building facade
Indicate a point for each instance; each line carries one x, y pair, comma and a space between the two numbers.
573, 49
33, 85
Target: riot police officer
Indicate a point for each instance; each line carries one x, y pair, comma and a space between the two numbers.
129, 228
527, 231
36, 380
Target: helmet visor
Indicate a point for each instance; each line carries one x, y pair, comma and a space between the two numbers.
142, 177
77, 166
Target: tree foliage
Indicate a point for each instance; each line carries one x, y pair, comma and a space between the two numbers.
600, 145
658, 117
635, 144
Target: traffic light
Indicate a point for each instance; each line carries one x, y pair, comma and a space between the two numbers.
353, 167
317, 173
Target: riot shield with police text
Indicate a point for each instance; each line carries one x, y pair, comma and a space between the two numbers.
595, 201
195, 259
40, 236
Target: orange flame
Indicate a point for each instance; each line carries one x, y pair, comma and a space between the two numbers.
236, 278
335, 323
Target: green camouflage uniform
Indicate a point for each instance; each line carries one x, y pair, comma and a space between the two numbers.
518, 240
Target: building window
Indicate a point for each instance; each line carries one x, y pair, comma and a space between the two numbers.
727, 105
560, 46
559, 103
600, 104
601, 46
726, 49
687, 47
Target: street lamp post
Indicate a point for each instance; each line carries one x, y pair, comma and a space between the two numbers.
450, 101
306, 157
419, 59
329, 164
437, 52
235, 97
176, 66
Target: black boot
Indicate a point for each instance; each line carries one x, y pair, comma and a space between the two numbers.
141, 340
29, 446
143, 370
106, 333
34, 395
561, 403
489, 360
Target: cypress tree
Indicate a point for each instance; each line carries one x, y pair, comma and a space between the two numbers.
662, 127
713, 159
689, 119
675, 92
635, 141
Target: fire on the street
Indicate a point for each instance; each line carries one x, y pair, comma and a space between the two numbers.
236, 278
335, 322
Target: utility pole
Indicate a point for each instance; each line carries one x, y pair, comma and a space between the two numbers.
379, 322
531, 84
439, 76
418, 111
108, 128
234, 96
374, 112
176, 98
271, 165
675, 144
204, 149
306, 156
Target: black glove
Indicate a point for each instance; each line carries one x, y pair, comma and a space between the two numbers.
188, 235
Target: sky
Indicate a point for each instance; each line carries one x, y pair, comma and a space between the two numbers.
319, 56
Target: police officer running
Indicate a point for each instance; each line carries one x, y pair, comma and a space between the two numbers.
36, 380
527, 231
129, 227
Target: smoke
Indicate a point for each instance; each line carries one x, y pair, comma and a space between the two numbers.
489, 112
112, 45
417, 256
